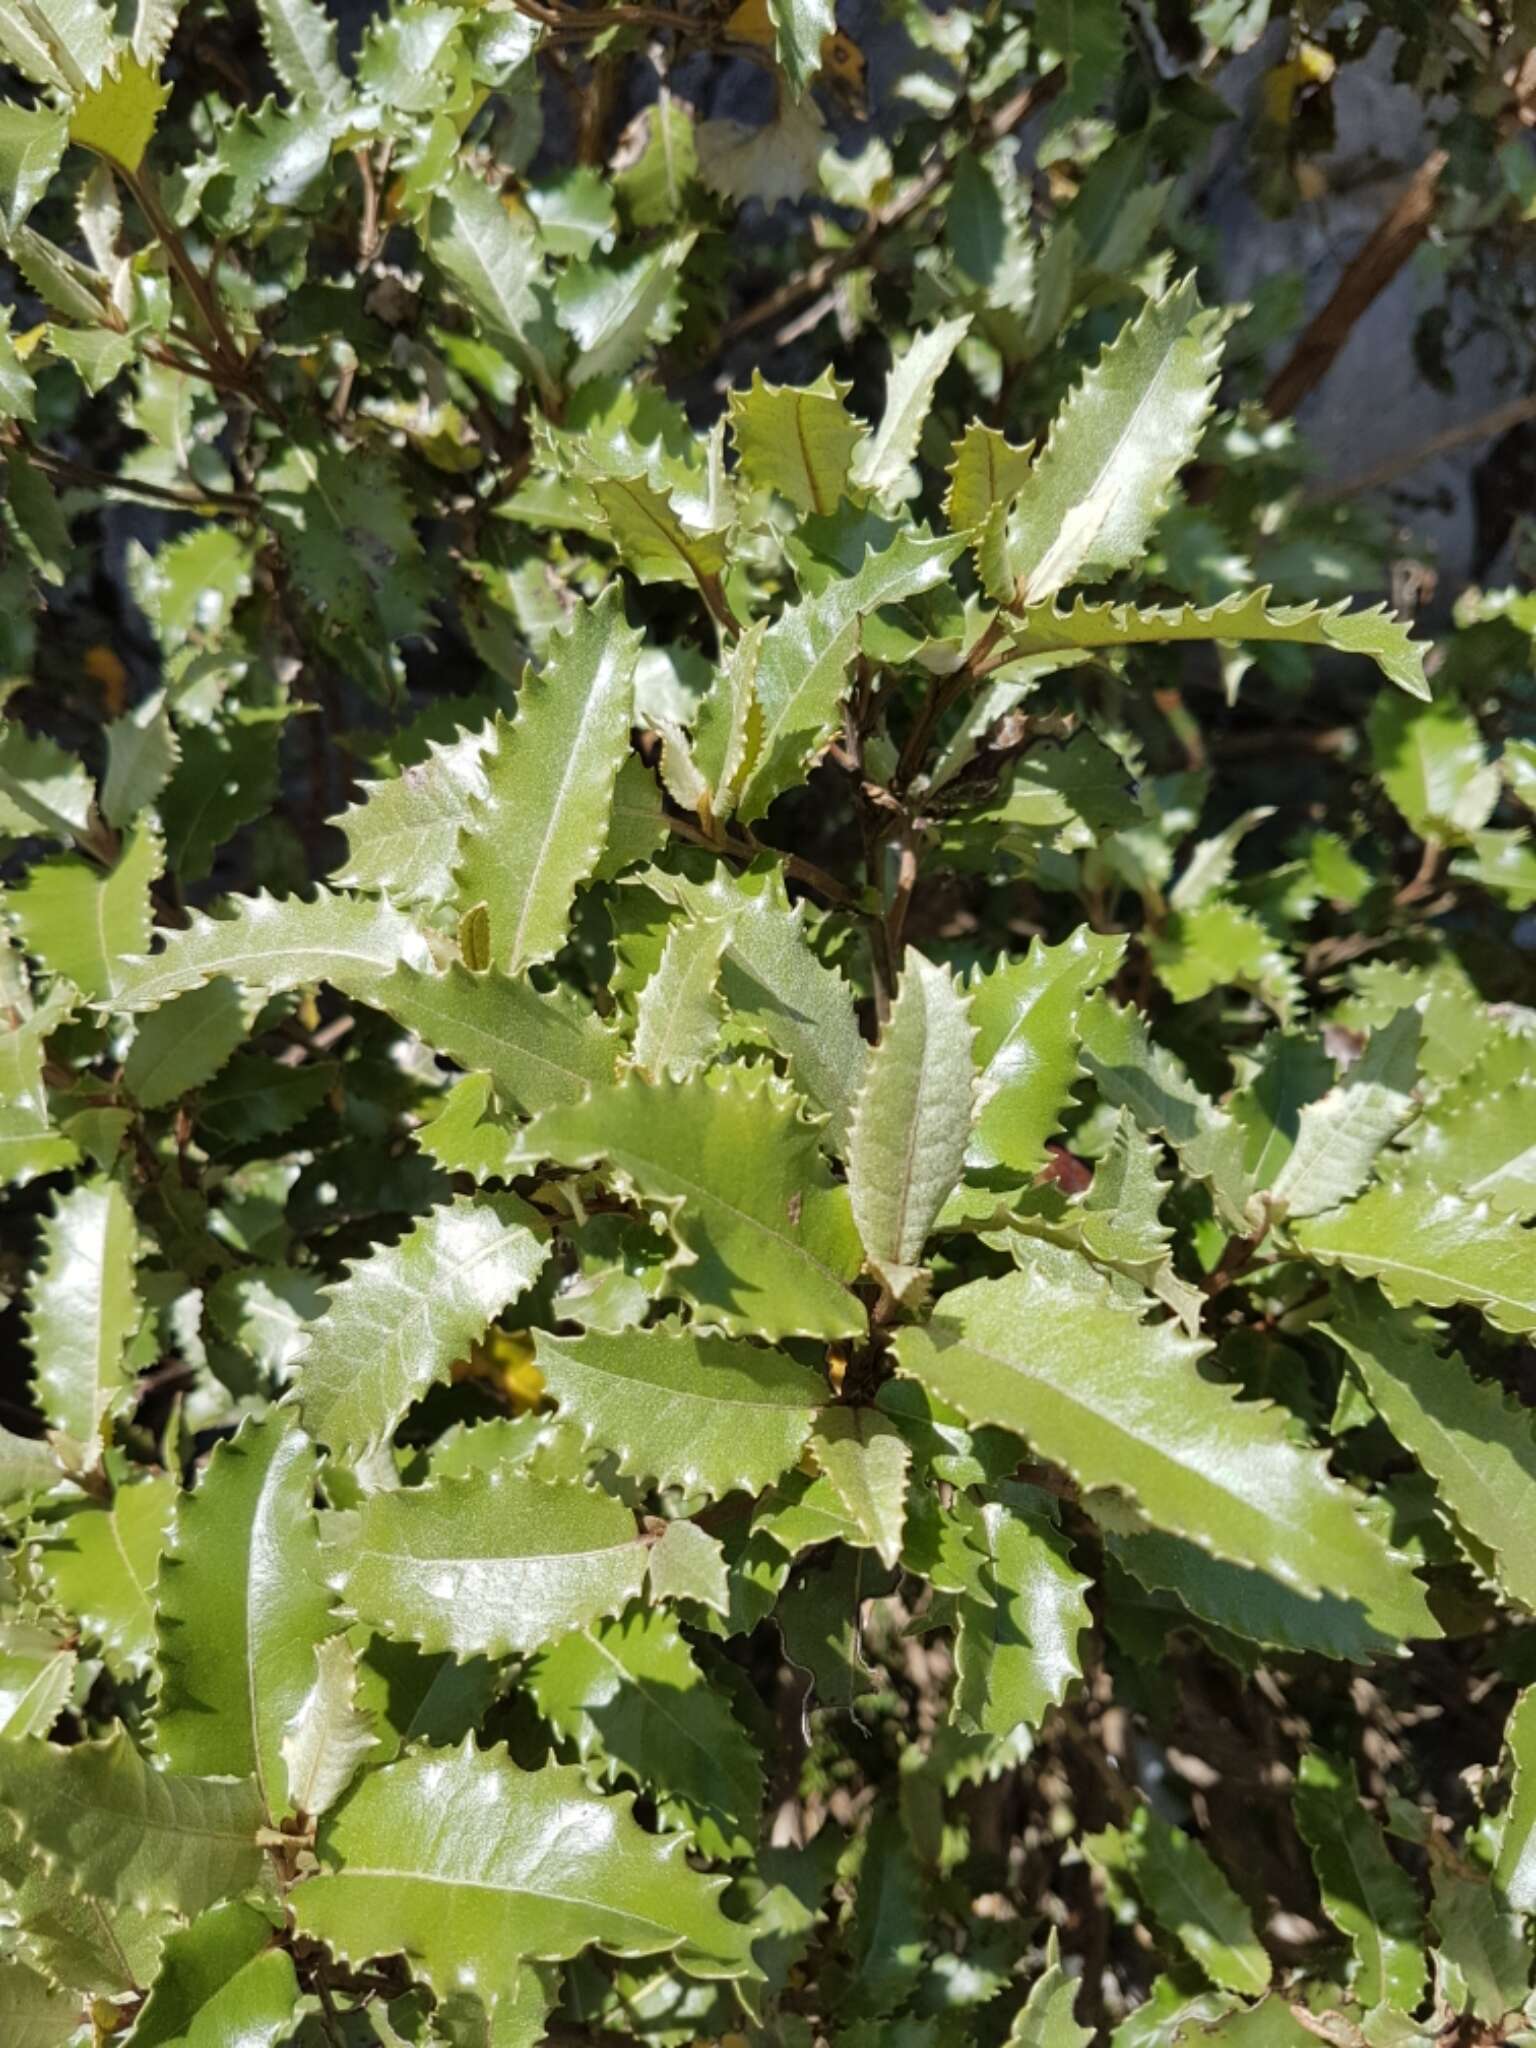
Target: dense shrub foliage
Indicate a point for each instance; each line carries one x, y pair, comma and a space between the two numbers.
767, 1071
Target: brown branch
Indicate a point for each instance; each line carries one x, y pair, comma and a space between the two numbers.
805, 872
1365, 277
63, 471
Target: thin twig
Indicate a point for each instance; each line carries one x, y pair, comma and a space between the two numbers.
64, 471
749, 848
1487, 426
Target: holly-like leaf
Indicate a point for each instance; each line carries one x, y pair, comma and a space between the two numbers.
403, 835
866, 1460
1476, 1442
493, 1564
117, 117
1430, 760
271, 944
1105, 475
241, 1606
1246, 616
911, 1124
683, 1408
798, 441
800, 27
1515, 1871
81, 921
540, 827
1436, 1249
42, 789
613, 306
1365, 1894
35, 2012
885, 457
329, 1735
84, 1312
222, 1979
806, 654
1186, 1893
1017, 1648
37, 1677
1056, 1354
470, 1866
142, 753
1479, 1133
687, 1563
1340, 1135
630, 1695
493, 259
128, 1832
1483, 1959
985, 470
301, 41
404, 1315
677, 1017
768, 1235
185, 1042
100, 1560
32, 143
1046, 2018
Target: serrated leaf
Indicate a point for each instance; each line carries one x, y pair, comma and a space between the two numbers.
271, 944
912, 1122
469, 1866
677, 1015
300, 38
1478, 1135
142, 753
35, 2013
613, 306
1365, 1894
32, 143
329, 1735
630, 1695
403, 835
1483, 1960
796, 440
681, 1407
774, 984
99, 1562
42, 789
1476, 1442
493, 1564
491, 256
866, 1460
541, 826
1105, 475
117, 117
403, 1316
985, 470
1515, 1871
539, 1050
883, 460
687, 1563
346, 523
79, 921
221, 1980
1431, 761
1046, 2018
84, 1312
1246, 616
68, 45
154, 24
1056, 1355
806, 655
1025, 1013
1437, 1249
37, 1677
241, 1605
126, 1831
728, 728
650, 534
1341, 1134
27, 1467
185, 1042
1186, 1893
1016, 1650
768, 1235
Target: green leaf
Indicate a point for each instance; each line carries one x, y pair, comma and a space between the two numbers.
1045, 2020
405, 1314
677, 1016
912, 1122
37, 1678
806, 655
272, 944
1106, 472
653, 539
329, 1735
540, 1050
131, 1833
542, 824
184, 1043
728, 727
1246, 616
866, 1460
18, 392
613, 306
27, 1467
1025, 1013
1476, 1442
1186, 1893
1365, 1894
1437, 1249
1478, 1135
1483, 1965
798, 441
884, 459
100, 1563
1087, 38
32, 143
222, 1980
34, 2012
42, 789
493, 1564
1340, 1136
687, 1563
774, 984
1515, 1872
1430, 760
85, 1312
800, 27
81, 921
629, 1694
468, 1866
241, 1606
403, 836
117, 117
768, 1235
491, 256
1017, 1650
1056, 1354
300, 38
681, 1407
142, 752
